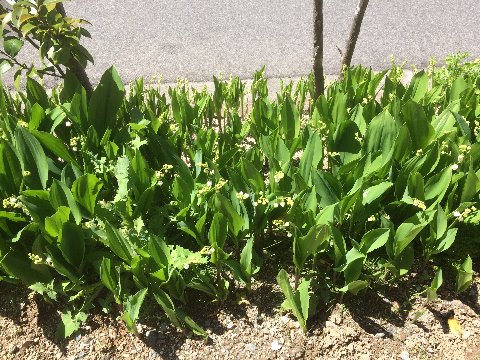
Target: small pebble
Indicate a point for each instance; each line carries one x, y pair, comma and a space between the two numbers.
379, 335
230, 325
405, 355
13, 349
250, 347
276, 345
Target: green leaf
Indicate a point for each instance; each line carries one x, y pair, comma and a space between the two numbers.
290, 120
437, 186
218, 231
381, 133
54, 223
119, 244
327, 187
252, 175
408, 231
159, 251
60, 195
311, 157
435, 285
421, 131
36, 93
374, 239
418, 87
224, 206
445, 242
10, 170
55, 145
32, 159
70, 324
375, 192
246, 260
110, 278
465, 275
471, 186
12, 46
282, 279
463, 126
305, 246
85, 190
72, 243
355, 286
132, 309
121, 174
106, 101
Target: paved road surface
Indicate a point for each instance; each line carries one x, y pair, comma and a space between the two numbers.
199, 38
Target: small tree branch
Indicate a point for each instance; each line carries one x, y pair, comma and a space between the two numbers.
77, 69
319, 82
354, 32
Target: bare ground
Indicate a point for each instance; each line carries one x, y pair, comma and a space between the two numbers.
393, 322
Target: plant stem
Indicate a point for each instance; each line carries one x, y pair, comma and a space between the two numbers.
297, 279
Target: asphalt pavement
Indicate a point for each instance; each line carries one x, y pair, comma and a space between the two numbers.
198, 38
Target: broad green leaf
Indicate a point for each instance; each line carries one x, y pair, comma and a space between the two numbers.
305, 246
119, 244
85, 190
375, 192
10, 170
355, 286
290, 120
418, 87
218, 231
12, 46
70, 324
36, 93
374, 239
246, 259
250, 173
327, 187
72, 243
60, 195
159, 251
465, 275
312, 155
106, 101
55, 145
408, 231
421, 131
445, 242
463, 126
32, 158
132, 309
437, 186
54, 223
224, 206
381, 133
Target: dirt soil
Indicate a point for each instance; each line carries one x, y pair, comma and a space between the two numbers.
399, 324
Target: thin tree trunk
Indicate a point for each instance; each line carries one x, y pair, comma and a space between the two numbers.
319, 82
75, 66
354, 32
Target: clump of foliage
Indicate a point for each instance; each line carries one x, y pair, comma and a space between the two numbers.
121, 197
117, 197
